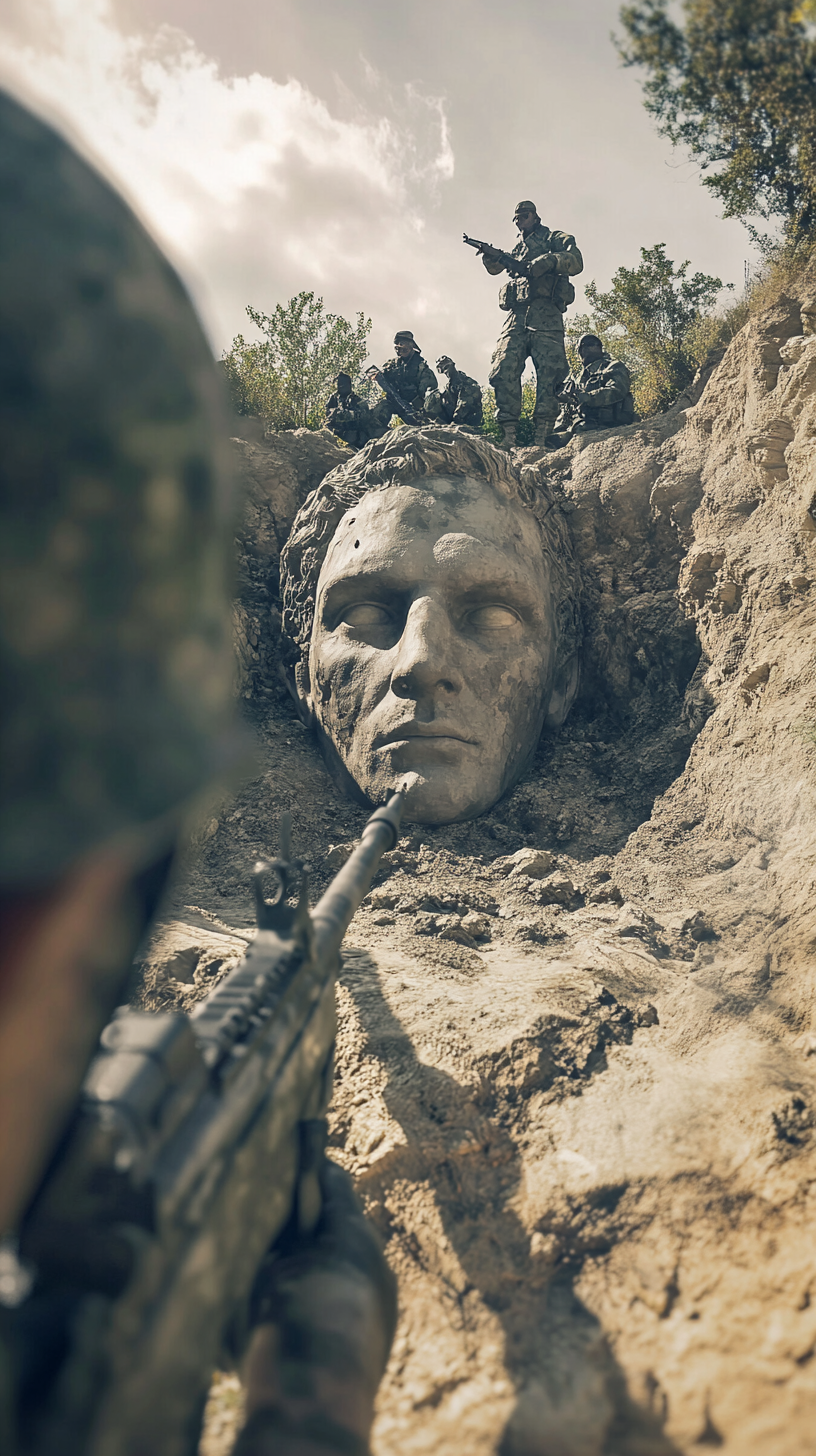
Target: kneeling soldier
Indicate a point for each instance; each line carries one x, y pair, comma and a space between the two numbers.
409, 376
348, 416
459, 403
599, 397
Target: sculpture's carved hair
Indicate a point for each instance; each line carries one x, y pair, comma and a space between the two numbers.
403, 457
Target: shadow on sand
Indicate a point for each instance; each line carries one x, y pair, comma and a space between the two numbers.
571, 1396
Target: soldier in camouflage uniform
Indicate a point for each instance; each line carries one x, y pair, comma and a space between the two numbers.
459, 403
117, 514
599, 396
410, 376
535, 305
348, 416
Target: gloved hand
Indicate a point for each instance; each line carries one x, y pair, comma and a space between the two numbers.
323, 1312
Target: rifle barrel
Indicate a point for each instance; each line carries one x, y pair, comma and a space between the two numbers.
333, 914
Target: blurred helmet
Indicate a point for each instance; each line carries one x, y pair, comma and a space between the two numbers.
116, 508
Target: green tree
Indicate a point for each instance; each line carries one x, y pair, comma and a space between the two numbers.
287, 376
490, 425
654, 318
735, 83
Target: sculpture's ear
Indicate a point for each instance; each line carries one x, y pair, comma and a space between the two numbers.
298, 683
564, 688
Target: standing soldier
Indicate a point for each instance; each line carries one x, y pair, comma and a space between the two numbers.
348, 416
599, 397
460, 402
535, 300
409, 376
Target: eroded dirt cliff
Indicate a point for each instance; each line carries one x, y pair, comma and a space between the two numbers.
576, 1076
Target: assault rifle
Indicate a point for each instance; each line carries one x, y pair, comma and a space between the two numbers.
571, 403
196, 1140
406, 412
511, 264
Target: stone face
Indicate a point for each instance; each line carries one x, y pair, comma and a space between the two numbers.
590, 1140
425, 674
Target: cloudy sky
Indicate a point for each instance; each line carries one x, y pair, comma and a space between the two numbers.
343, 146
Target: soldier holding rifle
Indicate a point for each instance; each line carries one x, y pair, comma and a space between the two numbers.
459, 403
348, 416
598, 397
535, 297
405, 381
116, 525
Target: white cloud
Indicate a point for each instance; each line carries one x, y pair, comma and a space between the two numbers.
255, 186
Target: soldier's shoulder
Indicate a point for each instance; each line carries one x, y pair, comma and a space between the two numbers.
389, 365
562, 241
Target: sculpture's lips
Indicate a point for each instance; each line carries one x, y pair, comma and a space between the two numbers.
415, 729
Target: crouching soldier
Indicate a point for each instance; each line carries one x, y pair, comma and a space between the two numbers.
598, 398
459, 403
348, 416
405, 380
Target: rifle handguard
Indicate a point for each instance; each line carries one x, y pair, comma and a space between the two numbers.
333, 914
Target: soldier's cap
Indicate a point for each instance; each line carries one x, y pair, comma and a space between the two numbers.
526, 206
404, 336
116, 521
589, 339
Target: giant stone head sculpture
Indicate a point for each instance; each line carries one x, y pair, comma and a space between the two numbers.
429, 590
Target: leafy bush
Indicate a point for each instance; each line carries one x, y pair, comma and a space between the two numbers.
287, 376
525, 433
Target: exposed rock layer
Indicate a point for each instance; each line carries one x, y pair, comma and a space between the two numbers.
577, 1084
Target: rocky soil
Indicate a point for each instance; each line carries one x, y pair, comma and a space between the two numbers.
576, 1075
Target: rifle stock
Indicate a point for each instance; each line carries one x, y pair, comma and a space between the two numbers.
195, 1139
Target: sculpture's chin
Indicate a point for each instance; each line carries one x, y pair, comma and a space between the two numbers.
429, 801
437, 791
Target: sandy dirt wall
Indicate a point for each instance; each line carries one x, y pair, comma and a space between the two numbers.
576, 1074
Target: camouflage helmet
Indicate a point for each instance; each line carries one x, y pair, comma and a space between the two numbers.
526, 206
115, 515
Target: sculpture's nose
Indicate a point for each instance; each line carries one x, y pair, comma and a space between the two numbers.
426, 655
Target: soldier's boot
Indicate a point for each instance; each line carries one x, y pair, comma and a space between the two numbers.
543, 430
509, 440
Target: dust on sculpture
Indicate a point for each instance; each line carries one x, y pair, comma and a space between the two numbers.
431, 598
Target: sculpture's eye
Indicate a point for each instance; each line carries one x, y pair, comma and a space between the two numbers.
493, 618
364, 615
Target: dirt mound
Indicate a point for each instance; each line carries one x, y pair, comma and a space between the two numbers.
575, 1070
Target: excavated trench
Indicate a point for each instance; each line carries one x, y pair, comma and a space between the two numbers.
575, 1069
